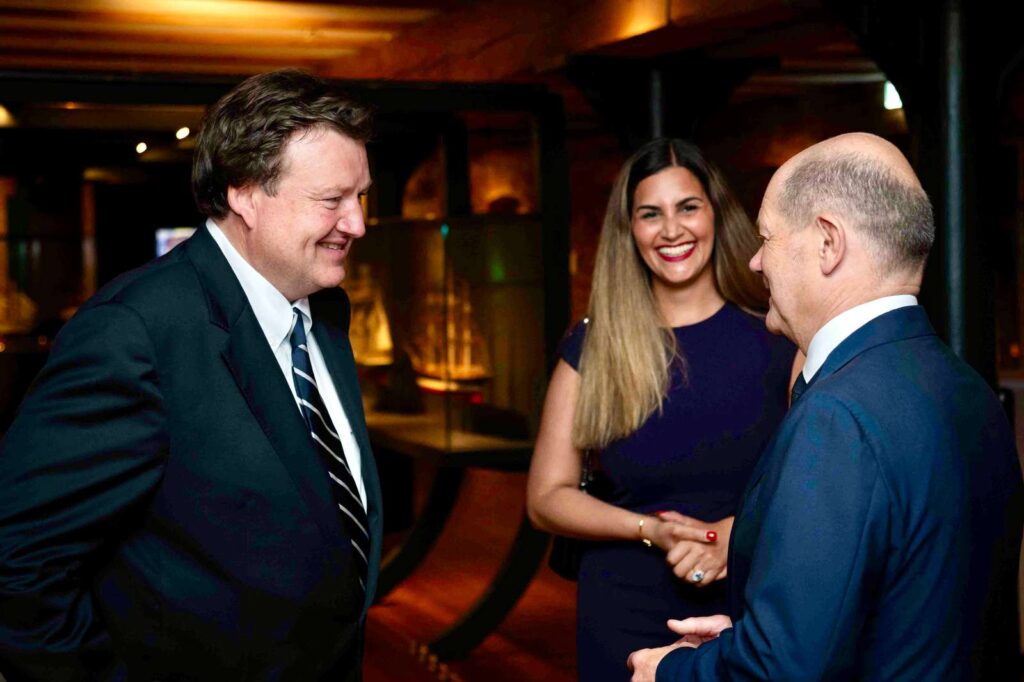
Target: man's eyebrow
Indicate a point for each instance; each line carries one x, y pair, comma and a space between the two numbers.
334, 190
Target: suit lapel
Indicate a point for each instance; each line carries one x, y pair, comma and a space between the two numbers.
270, 399
330, 309
263, 386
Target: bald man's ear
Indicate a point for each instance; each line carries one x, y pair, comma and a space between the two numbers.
831, 243
242, 201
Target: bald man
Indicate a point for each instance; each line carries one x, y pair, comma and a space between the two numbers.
879, 535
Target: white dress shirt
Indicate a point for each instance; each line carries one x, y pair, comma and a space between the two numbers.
845, 323
274, 313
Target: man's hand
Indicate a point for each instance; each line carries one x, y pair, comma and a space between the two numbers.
644, 663
697, 631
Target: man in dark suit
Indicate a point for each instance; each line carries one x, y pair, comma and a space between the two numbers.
188, 492
879, 535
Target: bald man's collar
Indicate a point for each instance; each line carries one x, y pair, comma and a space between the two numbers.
836, 330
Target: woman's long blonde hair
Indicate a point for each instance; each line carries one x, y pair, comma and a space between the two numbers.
629, 348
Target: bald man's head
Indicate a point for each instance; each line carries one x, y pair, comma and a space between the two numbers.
869, 182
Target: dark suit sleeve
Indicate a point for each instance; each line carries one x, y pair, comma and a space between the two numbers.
819, 552
84, 452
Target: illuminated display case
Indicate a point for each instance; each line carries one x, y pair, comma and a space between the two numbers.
448, 322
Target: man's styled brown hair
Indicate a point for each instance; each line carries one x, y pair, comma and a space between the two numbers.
244, 133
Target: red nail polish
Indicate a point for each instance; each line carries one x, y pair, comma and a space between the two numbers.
711, 536
659, 513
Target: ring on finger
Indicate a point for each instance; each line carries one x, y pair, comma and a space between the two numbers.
697, 576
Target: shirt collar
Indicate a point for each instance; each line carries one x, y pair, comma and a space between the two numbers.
845, 323
273, 311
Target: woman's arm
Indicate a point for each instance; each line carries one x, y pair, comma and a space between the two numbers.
553, 499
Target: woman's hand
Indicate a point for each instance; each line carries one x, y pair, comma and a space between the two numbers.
698, 563
666, 532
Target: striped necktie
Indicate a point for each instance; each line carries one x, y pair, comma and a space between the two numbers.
327, 443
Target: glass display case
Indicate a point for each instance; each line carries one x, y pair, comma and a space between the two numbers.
447, 326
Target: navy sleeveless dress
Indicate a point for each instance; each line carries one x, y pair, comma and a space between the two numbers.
694, 458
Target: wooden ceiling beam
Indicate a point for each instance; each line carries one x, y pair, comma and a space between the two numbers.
63, 62
249, 12
206, 33
195, 21
13, 43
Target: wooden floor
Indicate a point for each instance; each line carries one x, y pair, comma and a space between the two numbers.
536, 641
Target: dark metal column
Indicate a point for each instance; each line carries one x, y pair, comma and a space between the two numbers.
554, 209
657, 104
954, 134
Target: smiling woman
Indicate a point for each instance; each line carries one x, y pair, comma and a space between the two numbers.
674, 230
667, 196
675, 385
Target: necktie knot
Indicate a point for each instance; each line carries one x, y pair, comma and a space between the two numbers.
298, 329
298, 336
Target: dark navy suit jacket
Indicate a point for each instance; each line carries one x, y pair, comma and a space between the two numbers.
163, 514
879, 534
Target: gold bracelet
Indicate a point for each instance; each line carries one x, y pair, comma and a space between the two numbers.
640, 529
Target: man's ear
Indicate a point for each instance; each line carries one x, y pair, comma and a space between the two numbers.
831, 243
242, 201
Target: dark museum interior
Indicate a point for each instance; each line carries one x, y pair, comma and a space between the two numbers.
499, 128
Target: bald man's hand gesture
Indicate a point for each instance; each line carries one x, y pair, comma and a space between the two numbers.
693, 631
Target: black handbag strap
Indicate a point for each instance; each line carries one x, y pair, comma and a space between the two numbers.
586, 471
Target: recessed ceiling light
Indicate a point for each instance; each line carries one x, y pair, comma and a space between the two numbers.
141, 147
182, 132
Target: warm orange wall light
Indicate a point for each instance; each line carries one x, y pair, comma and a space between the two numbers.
604, 22
643, 17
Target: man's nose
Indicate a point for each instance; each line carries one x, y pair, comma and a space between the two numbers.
353, 223
755, 261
